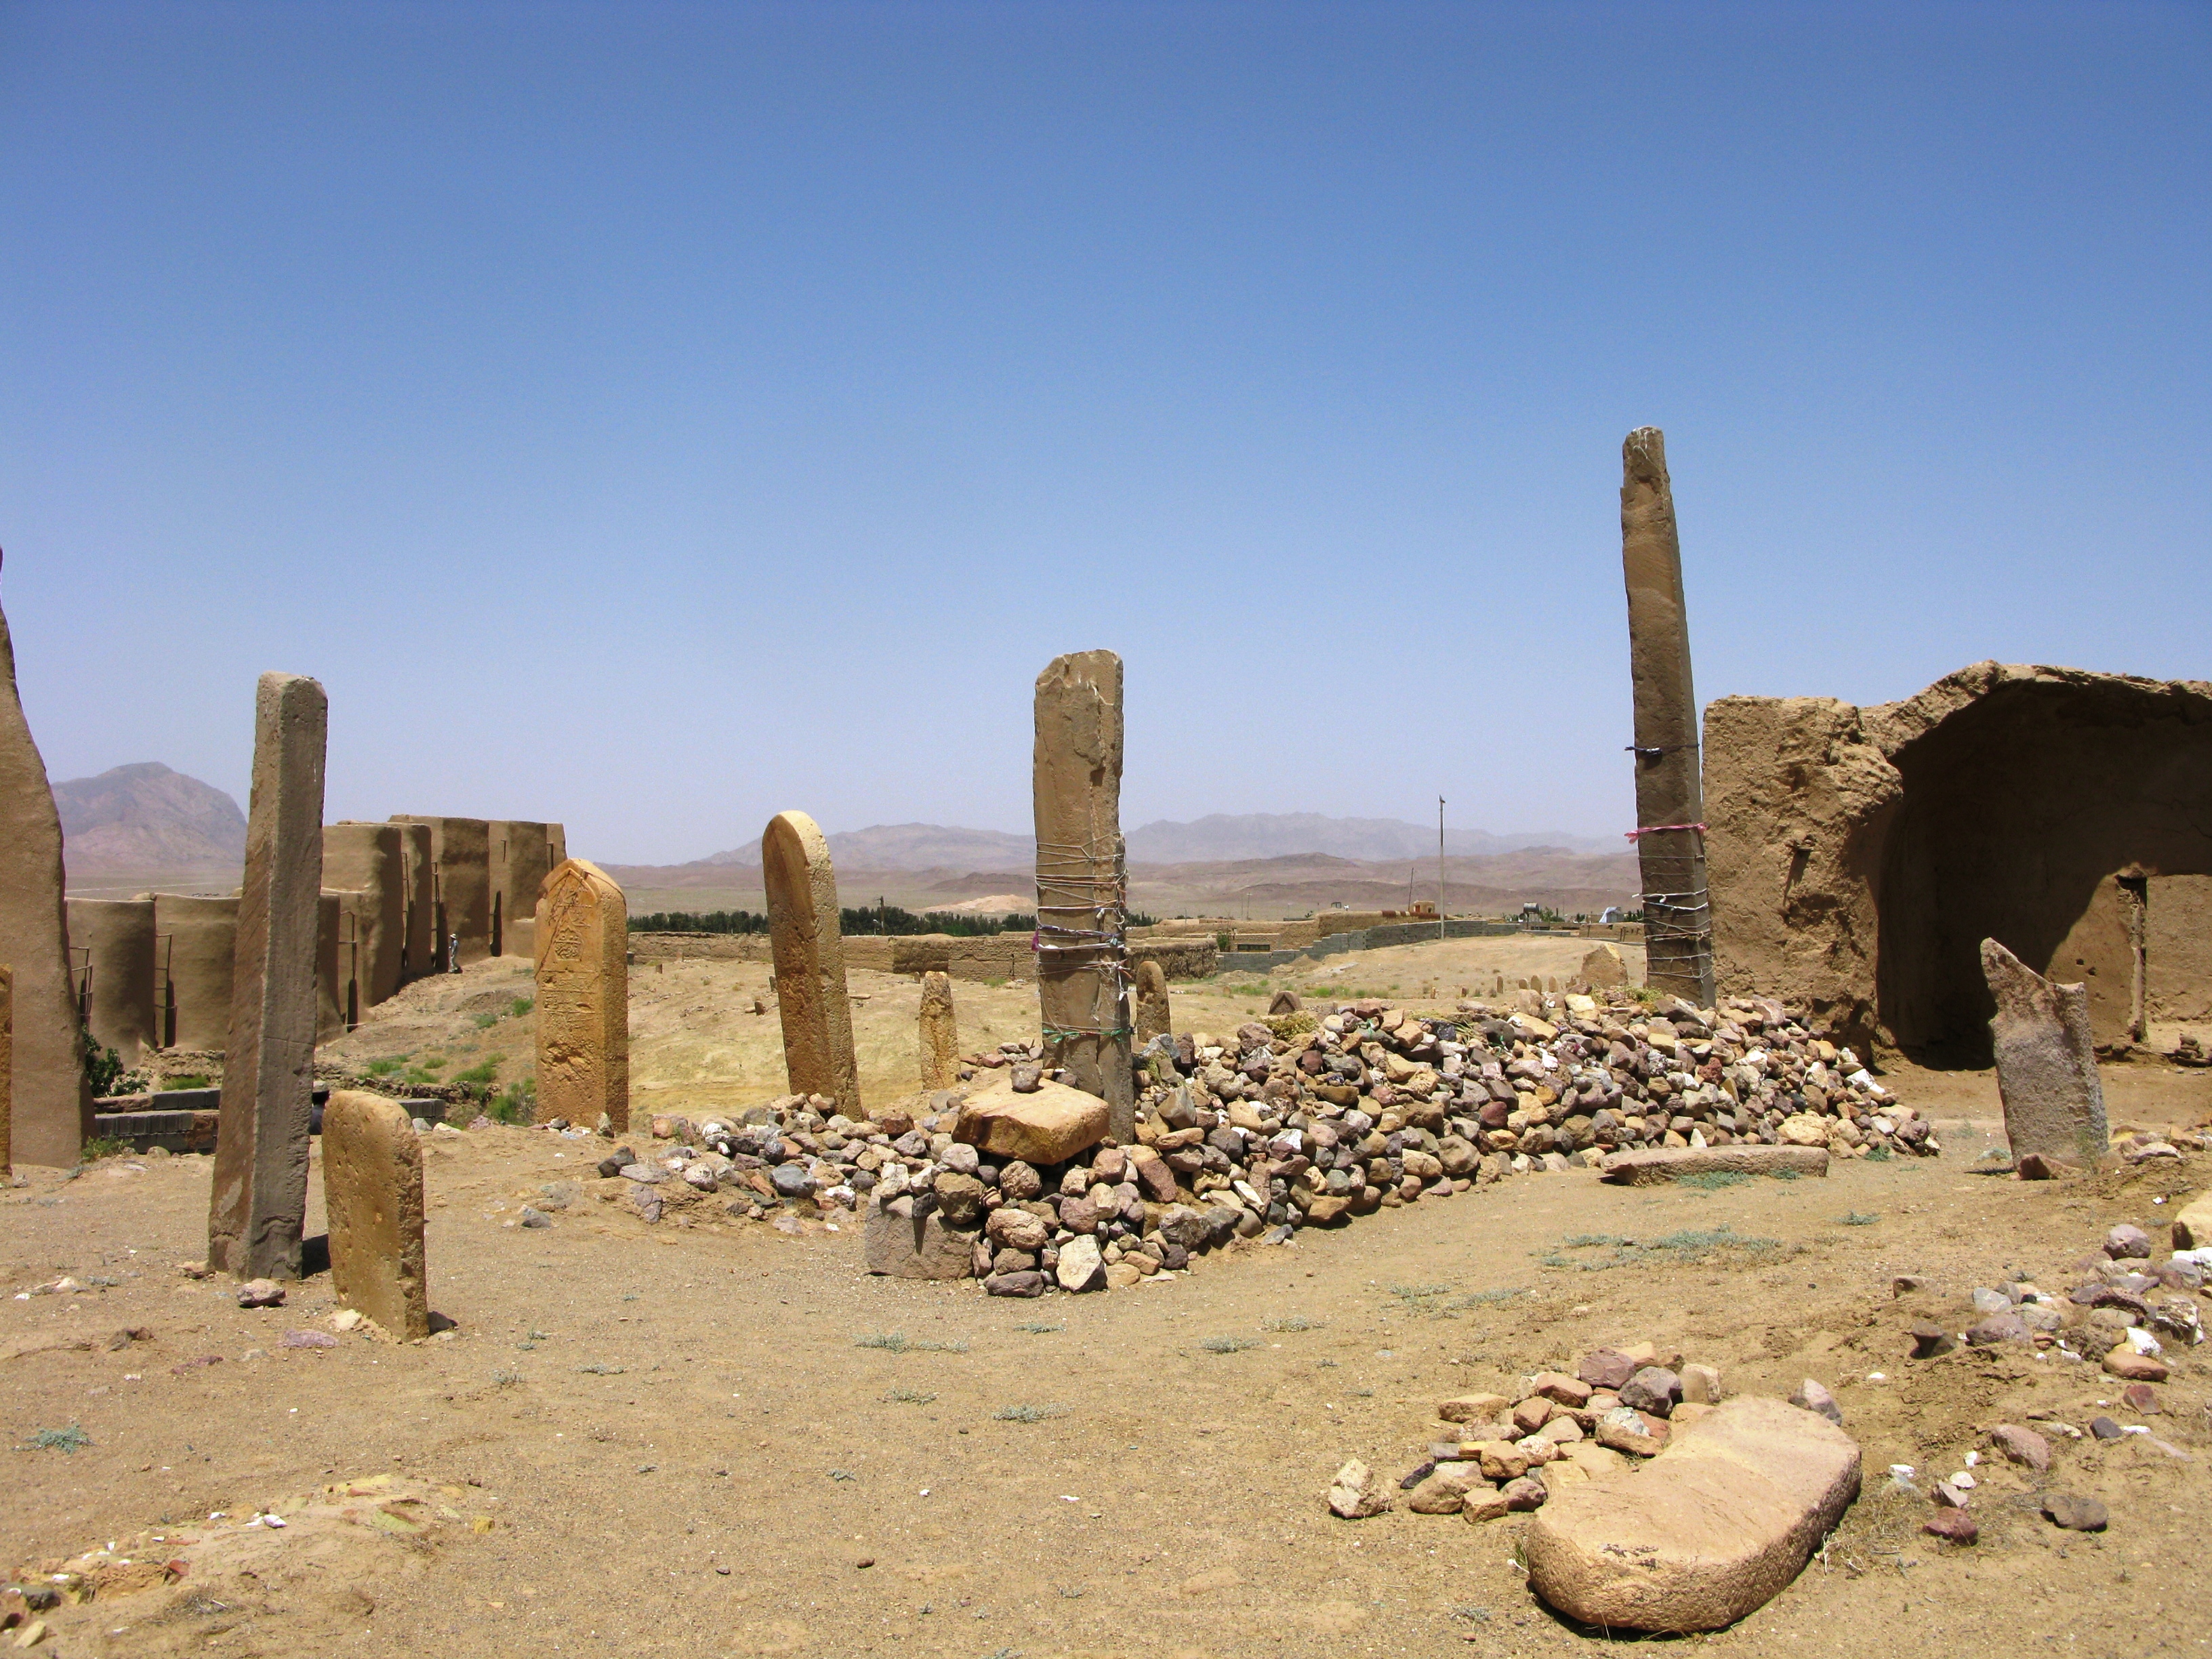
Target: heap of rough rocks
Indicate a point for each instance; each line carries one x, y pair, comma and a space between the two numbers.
1304, 1119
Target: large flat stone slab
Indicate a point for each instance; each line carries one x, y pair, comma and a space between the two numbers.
1708, 1530
1652, 1165
1049, 1127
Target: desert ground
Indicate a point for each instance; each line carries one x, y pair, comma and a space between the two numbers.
727, 1438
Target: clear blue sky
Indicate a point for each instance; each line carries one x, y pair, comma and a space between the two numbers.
653, 416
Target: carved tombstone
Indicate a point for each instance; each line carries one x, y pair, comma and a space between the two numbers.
809, 961
1155, 1018
583, 998
53, 1106
1083, 989
258, 1208
940, 1033
2054, 1100
373, 1191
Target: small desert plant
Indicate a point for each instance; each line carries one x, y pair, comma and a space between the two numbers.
521, 1006
100, 1146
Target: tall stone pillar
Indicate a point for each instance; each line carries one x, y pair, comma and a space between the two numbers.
939, 1032
116, 938
583, 998
53, 1106
366, 857
804, 936
418, 876
1670, 838
1083, 983
258, 1208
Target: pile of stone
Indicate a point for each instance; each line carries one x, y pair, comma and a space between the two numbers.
1496, 1455
1306, 1119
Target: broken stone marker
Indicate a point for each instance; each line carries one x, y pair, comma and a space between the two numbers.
1154, 1016
809, 961
583, 998
257, 1209
2046, 1058
1650, 1166
1083, 989
1710, 1530
373, 1189
939, 1034
1050, 1126
905, 1245
52, 1107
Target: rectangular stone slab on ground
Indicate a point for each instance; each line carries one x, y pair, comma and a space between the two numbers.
1049, 1127
372, 1190
258, 1205
1651, 1165
1710, 1529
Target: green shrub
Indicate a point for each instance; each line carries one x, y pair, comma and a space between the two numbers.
385, 1065
102, 1066
192, 1080
99, 1146
521, 1006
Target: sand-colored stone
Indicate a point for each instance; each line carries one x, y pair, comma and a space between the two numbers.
583, 998
1653, 1165
369, 859
461, 859
2046, 1058
1083, 987
1051, 1125
939, 1034
1710, 1529
7, 1067
418, 879
1155, 1013
898, 1242
258, 1204
196, 943
1602, 968
1677, 925
809, 961
113, 940
2192, 1228
373, 1191
53, 1107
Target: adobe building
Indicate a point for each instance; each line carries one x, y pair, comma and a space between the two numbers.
196, 939
460, 862
112, 953
1858, 857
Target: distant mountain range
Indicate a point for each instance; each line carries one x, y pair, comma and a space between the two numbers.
1219, 838
145, 816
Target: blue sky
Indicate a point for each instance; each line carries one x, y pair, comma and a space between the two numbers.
654, 416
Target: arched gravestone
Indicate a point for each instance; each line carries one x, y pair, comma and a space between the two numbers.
583, 998
809, 961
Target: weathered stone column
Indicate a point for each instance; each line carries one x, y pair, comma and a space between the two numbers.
2046, 1058
1083, 987
1155, 1013
52, 1107
940, 1033
583, 998
804, 933
1669, 797
373, 1192
258, 1208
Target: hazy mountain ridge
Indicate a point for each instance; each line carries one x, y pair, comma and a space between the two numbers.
146, 817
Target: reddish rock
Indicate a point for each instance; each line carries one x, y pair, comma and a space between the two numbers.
2022, 1446
1558, 1386
1606, 1368
1813, 1397
2125, 1362
1953, 1526
2143, 1399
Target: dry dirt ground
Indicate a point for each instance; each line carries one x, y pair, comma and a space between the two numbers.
729, 1439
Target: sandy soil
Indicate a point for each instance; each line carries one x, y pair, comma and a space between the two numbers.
700, 1440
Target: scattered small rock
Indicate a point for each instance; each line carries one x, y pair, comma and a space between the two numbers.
2075, 1512
1355, 1494
1951, 1526
1813, 1397
261, 1293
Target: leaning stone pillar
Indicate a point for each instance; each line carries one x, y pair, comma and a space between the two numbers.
804, 932
2046, 1059
1670, 836
583, 998
373, 1192
257, 1212
53, 1107
940, 1033
1083, 984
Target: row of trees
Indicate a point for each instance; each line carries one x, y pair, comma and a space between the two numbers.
877, 920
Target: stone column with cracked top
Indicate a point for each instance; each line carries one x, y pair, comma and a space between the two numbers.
583, 998
53, 1106
373, 1192
258, 1209
1669, 791
939, 1033
1083, 986
2046, 1059
806, 937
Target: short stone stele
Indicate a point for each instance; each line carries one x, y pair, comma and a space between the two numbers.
1710, 1529
2046, 1057
905, 1245
373, 1189
583, 998
939, 1033
811, 995
1154, 1016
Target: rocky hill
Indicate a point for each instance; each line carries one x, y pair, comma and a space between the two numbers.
146, 817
